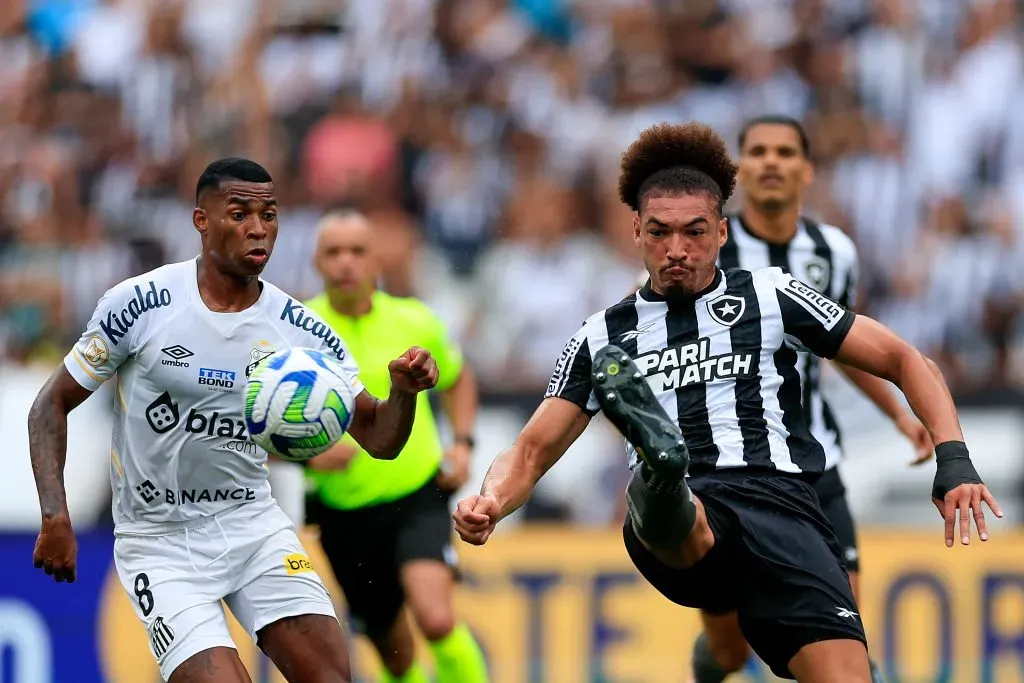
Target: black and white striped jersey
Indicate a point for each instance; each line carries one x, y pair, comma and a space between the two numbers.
724, 362
825, 258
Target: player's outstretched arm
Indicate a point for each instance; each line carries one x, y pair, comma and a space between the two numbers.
555, 425
383, 427
872, 347
881, 394
48, 440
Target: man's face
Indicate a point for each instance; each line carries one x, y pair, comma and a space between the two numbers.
679, 237
238, 223
773, 170
344, 255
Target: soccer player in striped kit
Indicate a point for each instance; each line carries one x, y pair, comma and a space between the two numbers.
774, 169
723, 516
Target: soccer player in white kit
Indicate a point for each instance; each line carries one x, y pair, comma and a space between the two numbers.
195, 522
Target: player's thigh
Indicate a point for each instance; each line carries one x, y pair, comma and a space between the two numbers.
423, 550
832, 661
215, 665
709, 584
179, 606
307, 648
797, 591
397, 647
364, 567
725, 639
275, 581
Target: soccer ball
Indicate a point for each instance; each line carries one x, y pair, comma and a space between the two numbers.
298, 403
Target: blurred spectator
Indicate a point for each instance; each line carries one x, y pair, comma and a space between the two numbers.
484, 138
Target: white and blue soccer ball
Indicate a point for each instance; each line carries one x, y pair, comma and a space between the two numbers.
298, 403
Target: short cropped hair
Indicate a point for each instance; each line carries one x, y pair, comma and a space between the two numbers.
230, 168
688, 157
779, 120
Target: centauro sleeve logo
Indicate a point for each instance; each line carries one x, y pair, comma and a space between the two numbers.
297, 563
826, 311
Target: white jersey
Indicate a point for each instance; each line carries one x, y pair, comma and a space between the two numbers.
180, 450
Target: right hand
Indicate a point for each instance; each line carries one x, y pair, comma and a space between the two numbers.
475, 518
918, 435
56, 550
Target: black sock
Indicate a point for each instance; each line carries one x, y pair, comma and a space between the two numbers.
663, 512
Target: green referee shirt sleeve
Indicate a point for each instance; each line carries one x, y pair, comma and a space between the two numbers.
446, 352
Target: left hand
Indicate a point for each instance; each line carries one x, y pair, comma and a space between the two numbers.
918, 434
967, 499
455, 471
414, 371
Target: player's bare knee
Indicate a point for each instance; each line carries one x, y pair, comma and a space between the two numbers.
396, 660
395, 649
435, 623
731, 654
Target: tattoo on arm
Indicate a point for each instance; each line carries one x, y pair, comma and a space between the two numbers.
48, 438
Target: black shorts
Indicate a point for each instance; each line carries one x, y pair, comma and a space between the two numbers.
367, 548
832, 496
775, 562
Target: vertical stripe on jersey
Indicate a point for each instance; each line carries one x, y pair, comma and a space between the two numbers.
729, 255
823, 251
597, 339
654, 338
778, 256
751, 252
691, 401
620, 321
749, 406
780, 390
818, 409
720, 396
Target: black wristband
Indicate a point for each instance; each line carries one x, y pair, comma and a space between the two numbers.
953, 468
465, 439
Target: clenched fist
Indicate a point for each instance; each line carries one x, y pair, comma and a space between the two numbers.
56, 550
475, 517
414, 371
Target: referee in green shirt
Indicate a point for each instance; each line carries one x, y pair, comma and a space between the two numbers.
385, 526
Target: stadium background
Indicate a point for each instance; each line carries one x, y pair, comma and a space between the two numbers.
482, 138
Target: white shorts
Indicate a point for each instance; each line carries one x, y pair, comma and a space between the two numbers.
248, 556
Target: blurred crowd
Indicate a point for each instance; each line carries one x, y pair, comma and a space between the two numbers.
482, 138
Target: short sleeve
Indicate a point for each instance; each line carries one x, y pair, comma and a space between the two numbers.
107, 340
816, 321
571, 378
445, 351
322, 336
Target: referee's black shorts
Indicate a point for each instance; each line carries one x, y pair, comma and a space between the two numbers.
367, 548
775, 562
832, 496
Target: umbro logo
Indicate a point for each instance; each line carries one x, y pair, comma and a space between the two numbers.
176, 355
846, 613
727, 309
633, 334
